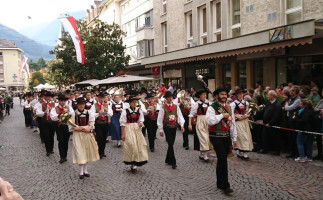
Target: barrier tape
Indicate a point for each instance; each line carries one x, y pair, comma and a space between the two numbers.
287, 129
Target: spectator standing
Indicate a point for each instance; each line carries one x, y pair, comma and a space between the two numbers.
314, 97
170, 88
162, 88
319, 127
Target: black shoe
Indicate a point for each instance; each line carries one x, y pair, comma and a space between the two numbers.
186, 148
152, 150
276, 153
47, 154
52, 152
104, 155
227, 191
174, 166
101, 157
81, 176
262, 151
62, 160
318, 157
87, 175
201, 158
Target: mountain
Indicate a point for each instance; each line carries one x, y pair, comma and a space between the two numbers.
31, 48
47, 33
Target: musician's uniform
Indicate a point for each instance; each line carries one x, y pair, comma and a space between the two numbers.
34, 123
74, 104
47, 124
27, 113
101, 124
62, 130
151, 123
199, 109
134, 147
168, 117
219, 131
89, 104
242, 128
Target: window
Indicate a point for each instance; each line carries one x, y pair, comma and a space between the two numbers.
164, 28
189, 27
164, 4
242, 76
145, 48
258, 72
144, 20
0, 53
203, 25
271, 16
235, 18
216, 21
293, 11
226, 74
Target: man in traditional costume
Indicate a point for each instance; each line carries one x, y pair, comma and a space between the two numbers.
151, 120
89, 100
199, 109
134, 147
241, 125
85, 148
27, 110
219, 118
62, 129
100, 110
168, 117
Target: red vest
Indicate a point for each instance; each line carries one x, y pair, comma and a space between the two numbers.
222, 125
151, 114
45, 105
60, 111
98, 107
133, 116
202, 110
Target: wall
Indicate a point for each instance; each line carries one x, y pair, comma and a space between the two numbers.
11, 64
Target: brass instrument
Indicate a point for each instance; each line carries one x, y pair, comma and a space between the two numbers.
66, 119
118, 91
254, 107
200, 78
28, 106
186, 101
113, 90
159, 98
35, 117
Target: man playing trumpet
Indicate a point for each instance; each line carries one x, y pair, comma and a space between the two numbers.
62, 129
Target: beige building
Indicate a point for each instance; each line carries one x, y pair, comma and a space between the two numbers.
10, 61
238, 42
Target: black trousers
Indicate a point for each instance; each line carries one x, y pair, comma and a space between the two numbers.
143, 129
49, 128
28, 117
41, 132
101, 136
271, 139
63, 136
186, 132
151, 129
221, 146
170, 134
196, 138
8, 109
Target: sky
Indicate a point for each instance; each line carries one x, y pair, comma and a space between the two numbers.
14, 13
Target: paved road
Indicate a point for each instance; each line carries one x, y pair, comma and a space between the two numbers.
23, 163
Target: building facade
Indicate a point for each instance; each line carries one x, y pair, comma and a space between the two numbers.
237, 42
10, 61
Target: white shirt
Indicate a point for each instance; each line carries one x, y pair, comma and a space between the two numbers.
39, 109
213, 119
54, 114
91, 117
195, 107
109, 112
123, 117
69, 103
160, 118
112, 102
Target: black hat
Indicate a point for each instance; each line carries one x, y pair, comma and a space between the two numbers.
132, 98
29, 94
134, 92
198, 94
67, 91
126, 93
80, 100
220, 89
101, 94
48, 94
168, 94
152, 92
62, 97
149, 95
238, 91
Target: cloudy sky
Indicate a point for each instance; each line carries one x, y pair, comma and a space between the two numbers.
14, 13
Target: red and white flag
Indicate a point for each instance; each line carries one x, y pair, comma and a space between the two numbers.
70, 26
24, 66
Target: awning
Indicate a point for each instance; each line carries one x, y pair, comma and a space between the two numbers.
91, 82
123, 79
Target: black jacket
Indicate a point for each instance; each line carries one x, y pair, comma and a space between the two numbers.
273, 113
305, 120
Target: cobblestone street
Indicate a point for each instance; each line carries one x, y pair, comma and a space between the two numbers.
35, 176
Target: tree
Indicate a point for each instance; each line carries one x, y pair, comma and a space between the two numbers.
56, 77
104, 54
36, 79
36, 66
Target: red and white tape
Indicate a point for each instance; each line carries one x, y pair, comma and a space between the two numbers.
288, 129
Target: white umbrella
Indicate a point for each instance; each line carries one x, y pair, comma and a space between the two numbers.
3, 89
124, 79
92, 82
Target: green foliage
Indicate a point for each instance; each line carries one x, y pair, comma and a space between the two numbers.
36, 66
103, 49
37, 78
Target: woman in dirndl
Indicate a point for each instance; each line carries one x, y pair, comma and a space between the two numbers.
85, 148
134, 146
114, 128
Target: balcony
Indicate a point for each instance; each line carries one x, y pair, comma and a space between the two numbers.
145, 33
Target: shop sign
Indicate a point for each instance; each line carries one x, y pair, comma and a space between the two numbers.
202, 71
155, 71
280, 34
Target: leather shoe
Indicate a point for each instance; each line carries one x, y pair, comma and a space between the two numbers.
87, 175
187, 148
62, 160
52, 152
174, 166
227, 191
104, 155
47, 154
81, 176
152, 150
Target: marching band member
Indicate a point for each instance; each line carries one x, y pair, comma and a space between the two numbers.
168, 117
89, 101
47, 125
241, 125
85, 148
74, 102
151, 120
62, 129
219, 117
100, 110
27, 110
114, 128
134, 147
199, 108
34, 117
